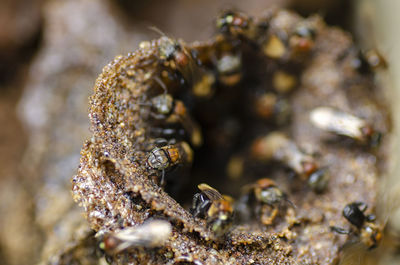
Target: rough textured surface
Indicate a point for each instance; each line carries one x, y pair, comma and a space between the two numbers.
79, 37
115, 187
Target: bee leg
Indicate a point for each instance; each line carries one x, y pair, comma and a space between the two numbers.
340, 230
194, 209
200, 205
268, 216
162, 182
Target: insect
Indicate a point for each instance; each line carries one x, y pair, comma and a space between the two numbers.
168, 156
184, 60
302, 40
171, 49
217, 209
269, 199
171, 111
277, 146
343, 123
368, 231
152, 233
236, 24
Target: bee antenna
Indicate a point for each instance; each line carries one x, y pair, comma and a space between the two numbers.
162, 177
161, 83
157, 30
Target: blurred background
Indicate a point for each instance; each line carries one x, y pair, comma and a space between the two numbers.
50, 55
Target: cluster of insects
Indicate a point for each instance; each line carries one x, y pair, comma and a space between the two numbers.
212, 76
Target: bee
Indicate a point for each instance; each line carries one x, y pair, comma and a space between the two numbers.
345, 124
302, 40
150, 234
368, 231
269, 198
215, 208
236, 24
277, 146
185, 61
168, 156
172, 111
171, 49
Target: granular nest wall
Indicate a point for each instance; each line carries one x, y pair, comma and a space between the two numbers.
229, 112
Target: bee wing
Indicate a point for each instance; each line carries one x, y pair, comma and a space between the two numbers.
353, 254
150, 233
210, 192
337, 121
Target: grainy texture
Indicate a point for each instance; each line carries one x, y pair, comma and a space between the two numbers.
115, 184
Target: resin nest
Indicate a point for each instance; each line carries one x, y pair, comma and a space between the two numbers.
232, 112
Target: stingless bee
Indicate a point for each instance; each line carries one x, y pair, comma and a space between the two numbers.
236, 24
302, 40
279, 147
345, 124
150, 234
186, 62
368, 231
269, 199
168, 156
215, 208
172, 111
171, 49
